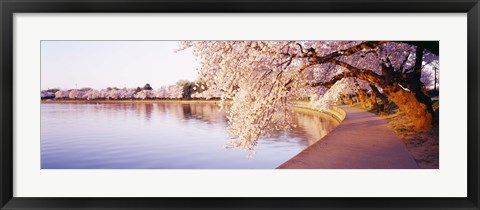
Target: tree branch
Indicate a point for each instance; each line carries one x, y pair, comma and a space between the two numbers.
369, 45
362, 46
301, 49
363, 74
367, 75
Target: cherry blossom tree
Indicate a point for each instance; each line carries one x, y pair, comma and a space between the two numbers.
92, 94
262, 79
61, 94
161, 93
145, 94
127, 94
175, 92
47, 94
170, 92
74, 94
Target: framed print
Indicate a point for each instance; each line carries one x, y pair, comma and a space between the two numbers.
239, 105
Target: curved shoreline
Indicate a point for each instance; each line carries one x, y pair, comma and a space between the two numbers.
334, 112
349, 147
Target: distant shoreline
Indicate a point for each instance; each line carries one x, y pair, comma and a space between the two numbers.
75, 101
334, 112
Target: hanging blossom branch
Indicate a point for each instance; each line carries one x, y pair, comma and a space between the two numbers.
261, 80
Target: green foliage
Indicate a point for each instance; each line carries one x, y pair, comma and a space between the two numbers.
183, 82
112, 88
86, 89
187, 88
138, 89
190, 88
147, 87
53, 90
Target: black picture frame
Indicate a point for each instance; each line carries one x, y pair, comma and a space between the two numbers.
9, 7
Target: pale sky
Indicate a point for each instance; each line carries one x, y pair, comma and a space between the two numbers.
100, 64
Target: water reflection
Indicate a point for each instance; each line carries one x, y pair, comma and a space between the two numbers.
314, 125
161, 135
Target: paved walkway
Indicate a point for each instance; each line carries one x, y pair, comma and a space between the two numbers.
361, 141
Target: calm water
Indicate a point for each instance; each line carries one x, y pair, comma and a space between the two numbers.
159, 136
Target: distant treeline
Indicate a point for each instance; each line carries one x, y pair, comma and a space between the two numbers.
182, 90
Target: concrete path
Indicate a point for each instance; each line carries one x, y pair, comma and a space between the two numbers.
361, 141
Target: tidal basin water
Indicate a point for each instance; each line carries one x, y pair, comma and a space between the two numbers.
161, 136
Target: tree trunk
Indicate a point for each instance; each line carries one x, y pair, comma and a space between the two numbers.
340, 100
385, 103
435, 84
404, 88
414, 102
413, 108
366, 101
348, 99
420, 92
373, 98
